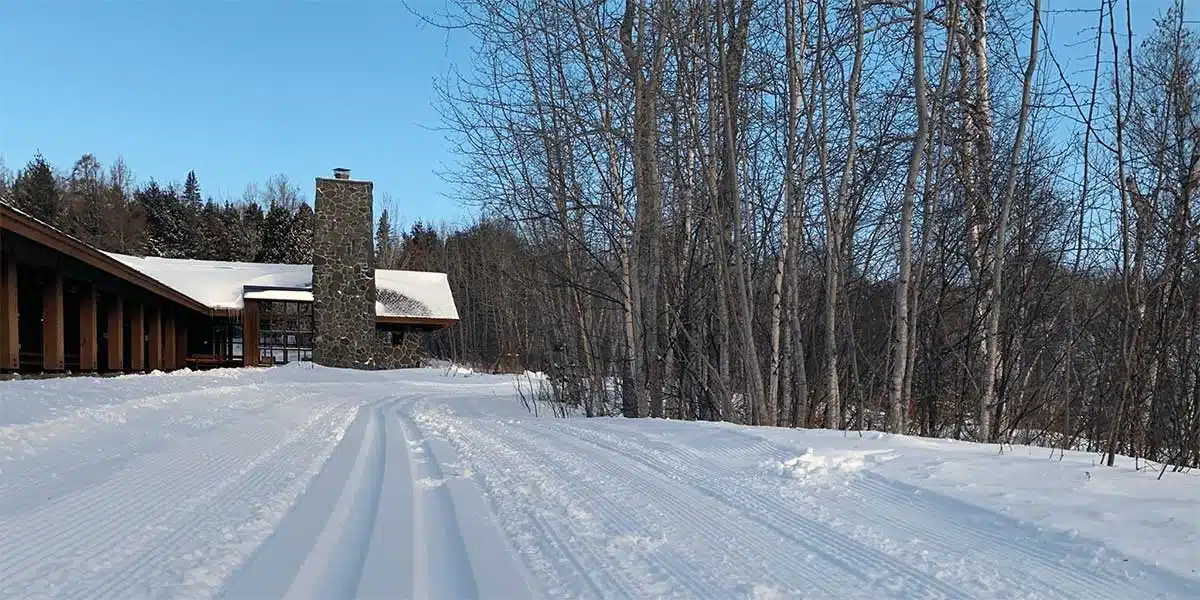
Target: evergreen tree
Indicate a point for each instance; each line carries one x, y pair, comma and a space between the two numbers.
422, 247
213, 237
300, 236
191, 191
169, 228
276, 232
252, 219
384, 253
36, 191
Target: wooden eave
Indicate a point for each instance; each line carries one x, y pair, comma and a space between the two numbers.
29, 227
438, 322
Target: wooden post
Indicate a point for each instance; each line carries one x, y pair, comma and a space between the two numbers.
170, 363
181, 343
87, 329
154, 317
250, 333
53, 342
10, 339
116, 335
137, 337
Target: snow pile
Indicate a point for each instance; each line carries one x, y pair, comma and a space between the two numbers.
810, 464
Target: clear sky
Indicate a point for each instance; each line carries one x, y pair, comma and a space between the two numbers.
242, 90
237, 91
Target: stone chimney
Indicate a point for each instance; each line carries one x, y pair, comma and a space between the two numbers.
343, 282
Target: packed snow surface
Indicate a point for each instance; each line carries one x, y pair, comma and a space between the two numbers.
305, 482
219, 284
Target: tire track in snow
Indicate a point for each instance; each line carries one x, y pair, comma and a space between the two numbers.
685, 526
1040, 572
1078, 567
836, 550
517, 491
1049, 561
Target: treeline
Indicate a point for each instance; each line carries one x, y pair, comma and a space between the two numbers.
108, 209
907, 216
270, 223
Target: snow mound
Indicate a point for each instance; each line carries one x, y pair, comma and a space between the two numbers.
810, 464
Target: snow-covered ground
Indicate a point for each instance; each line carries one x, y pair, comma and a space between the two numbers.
301, 482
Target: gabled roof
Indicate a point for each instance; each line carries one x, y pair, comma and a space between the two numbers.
26, 225
207, 286
402, 296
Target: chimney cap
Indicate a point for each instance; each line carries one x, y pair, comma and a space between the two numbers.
341, 173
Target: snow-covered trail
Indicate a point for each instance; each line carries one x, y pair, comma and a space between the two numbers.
315, 483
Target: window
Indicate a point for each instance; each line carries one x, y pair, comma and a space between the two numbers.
285, 332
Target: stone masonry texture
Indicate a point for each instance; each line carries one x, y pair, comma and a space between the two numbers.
344, 334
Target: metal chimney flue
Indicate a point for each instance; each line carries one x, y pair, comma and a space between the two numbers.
340, 173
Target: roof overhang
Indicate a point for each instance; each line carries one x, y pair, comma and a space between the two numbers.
428, 321
27, 226
279, 293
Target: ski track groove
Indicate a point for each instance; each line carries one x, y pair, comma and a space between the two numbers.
427, 581
851, 555
125, 508
671, 510
879, 488
582, 557
351, 520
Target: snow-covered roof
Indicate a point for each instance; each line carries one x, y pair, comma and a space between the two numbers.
281, 295
219, 284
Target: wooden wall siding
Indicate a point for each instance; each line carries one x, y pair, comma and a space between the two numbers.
137, 337
116, 335
168, 323
154, 319
53, 341
181, 344
88, 330
10, 357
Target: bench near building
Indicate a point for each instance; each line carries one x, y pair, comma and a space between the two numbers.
66, 306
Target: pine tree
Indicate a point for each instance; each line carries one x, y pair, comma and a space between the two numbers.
383, 242
252, 219
276, 231
300, 236
191, 191
421, 248
170, 229
213, 237
36, 191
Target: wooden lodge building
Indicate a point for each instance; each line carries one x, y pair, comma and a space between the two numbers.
68, 307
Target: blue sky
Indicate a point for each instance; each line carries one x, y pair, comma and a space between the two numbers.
242, 90
237, 91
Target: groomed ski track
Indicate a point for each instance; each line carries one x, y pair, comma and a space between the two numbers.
314, 483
